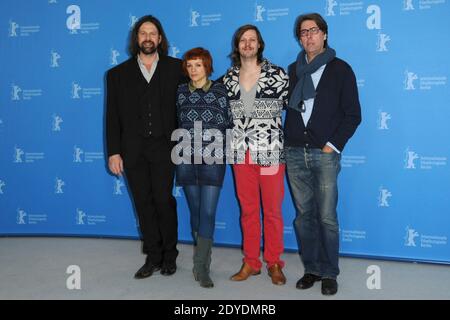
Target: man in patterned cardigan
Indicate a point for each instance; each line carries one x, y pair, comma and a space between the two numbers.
257, 90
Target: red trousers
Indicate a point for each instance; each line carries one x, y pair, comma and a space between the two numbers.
255, 183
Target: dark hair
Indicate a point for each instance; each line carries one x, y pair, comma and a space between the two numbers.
134, 46
235, 56
317, 18
198, 53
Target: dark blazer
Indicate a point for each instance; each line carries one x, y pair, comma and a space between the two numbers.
125, 87
336, 112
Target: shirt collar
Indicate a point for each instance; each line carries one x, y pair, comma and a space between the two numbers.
205, 87
141, 64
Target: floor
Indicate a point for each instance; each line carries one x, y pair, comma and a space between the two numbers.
39, 268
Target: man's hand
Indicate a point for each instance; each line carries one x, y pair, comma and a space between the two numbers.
327, 149
115, 164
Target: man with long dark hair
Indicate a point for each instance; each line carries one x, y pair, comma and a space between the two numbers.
323, 114
140, 118
258, 90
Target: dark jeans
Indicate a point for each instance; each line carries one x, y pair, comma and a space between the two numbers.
202, 201
312, 177
200, 174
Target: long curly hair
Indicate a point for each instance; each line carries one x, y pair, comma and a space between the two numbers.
133, 47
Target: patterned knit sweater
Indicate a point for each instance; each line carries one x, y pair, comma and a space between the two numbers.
211, 110
262, 132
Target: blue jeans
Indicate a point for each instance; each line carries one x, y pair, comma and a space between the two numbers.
202, 201
312, 176
200, 174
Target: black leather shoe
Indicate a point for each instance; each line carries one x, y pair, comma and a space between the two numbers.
329, 287
307, 281
168, 269
147, 270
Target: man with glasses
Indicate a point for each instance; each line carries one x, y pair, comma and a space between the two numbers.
323, 114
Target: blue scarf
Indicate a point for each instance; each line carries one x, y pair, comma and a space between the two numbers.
304, 89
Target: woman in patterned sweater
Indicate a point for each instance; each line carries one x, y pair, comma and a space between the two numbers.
203, 113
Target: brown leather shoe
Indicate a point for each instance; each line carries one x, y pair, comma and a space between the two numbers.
245, 272
277, 275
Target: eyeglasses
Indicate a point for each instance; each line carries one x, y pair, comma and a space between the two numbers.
306, 32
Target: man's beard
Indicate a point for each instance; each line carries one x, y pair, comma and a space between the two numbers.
147, 49
250, 54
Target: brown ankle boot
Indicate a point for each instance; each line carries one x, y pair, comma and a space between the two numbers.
277, 275
245, 272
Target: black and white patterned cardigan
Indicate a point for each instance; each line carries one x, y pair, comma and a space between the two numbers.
262, 132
